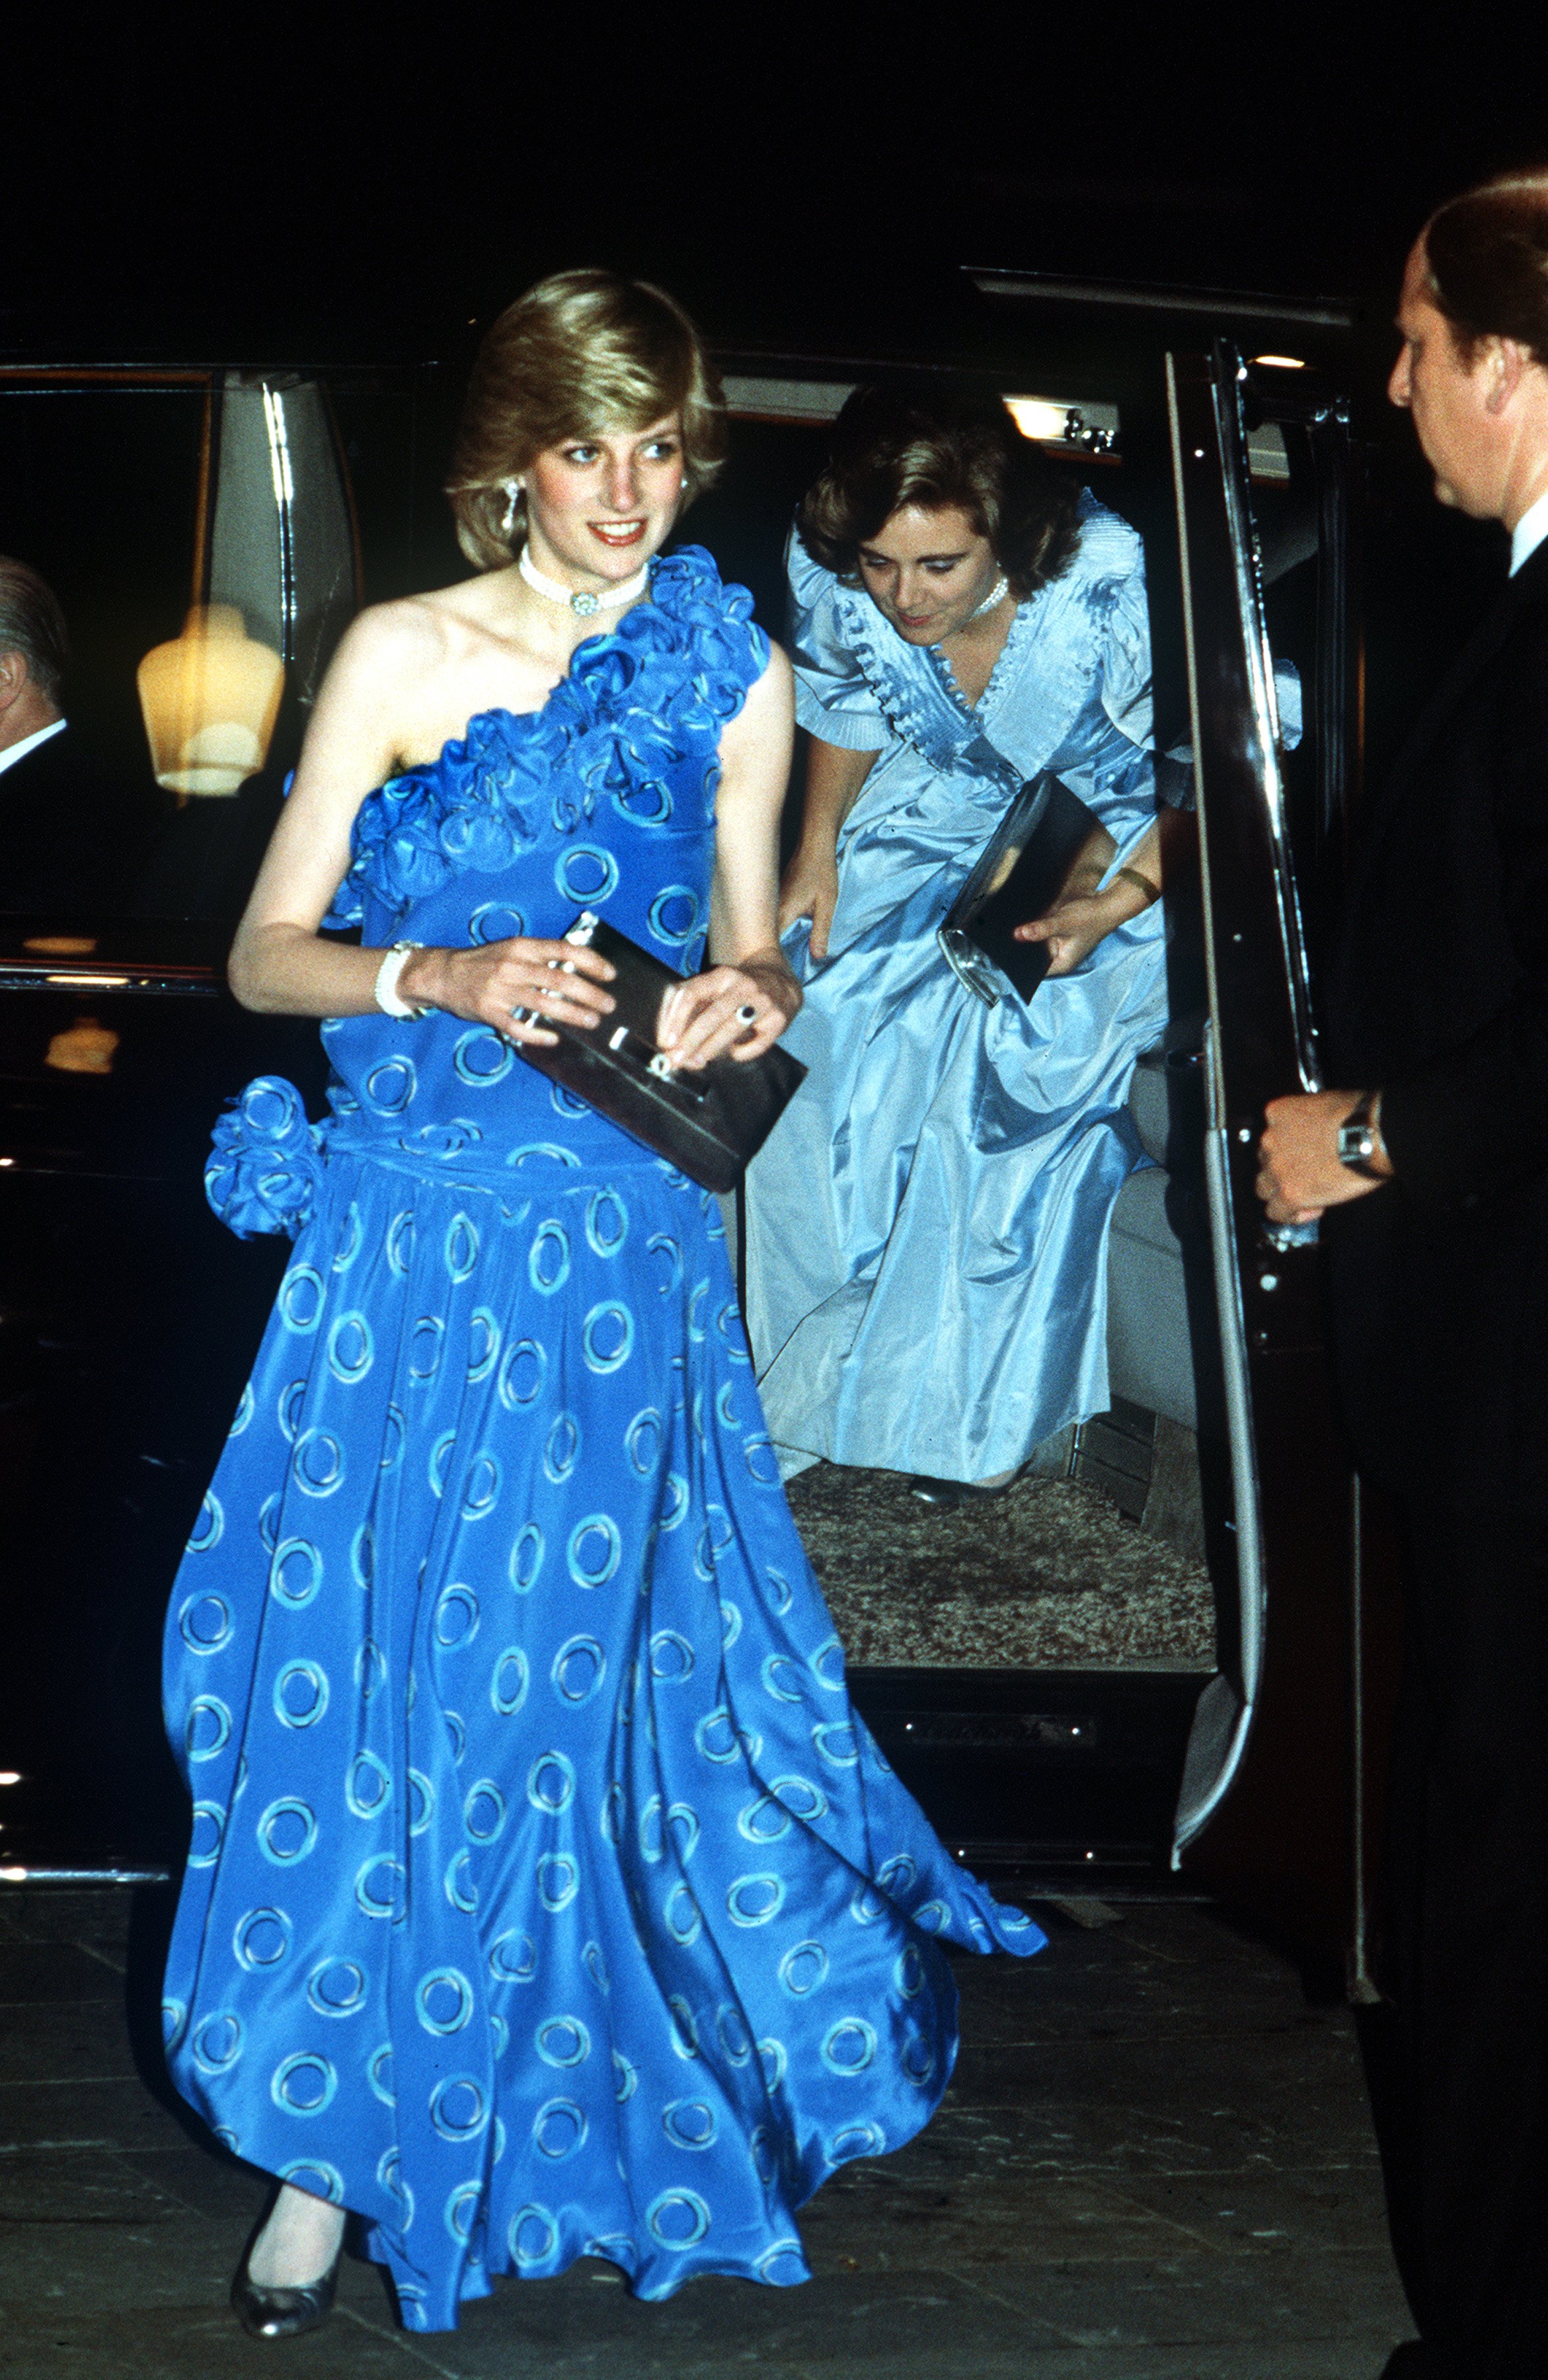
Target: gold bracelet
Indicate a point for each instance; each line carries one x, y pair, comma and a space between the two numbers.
1152, 892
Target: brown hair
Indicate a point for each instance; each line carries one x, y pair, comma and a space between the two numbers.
1487, 256
895, 447
32, 624
582, 352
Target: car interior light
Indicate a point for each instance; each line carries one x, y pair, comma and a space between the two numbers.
1282, 363
1035, 417
13, 1875
61, 946
1083, 423
99, 982
10, 1776
210, 700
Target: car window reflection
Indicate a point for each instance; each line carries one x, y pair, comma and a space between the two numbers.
194, 539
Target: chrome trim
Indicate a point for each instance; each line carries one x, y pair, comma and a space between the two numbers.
84, 1875
1224, 1719
1265, 700
1157, 298
1197, 1803
182, 983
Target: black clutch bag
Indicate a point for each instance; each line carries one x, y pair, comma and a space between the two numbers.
1021, 873
710, 1121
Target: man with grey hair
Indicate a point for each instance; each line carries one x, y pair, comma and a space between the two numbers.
1432, 1173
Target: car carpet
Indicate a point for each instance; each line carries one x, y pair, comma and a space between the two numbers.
1047, 1575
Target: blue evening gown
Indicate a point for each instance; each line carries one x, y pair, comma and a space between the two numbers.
546, 1896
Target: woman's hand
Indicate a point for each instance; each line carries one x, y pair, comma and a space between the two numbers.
744, 1009
811, 890
1077, 922
558, 979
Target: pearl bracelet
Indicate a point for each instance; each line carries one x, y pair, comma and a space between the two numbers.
388, 998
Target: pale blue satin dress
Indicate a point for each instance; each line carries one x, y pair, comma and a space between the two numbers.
926, 1229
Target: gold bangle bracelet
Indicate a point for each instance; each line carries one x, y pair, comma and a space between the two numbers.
1152, 892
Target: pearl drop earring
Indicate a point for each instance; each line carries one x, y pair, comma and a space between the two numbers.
512, 498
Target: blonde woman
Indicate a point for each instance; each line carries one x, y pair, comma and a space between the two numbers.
545, 1896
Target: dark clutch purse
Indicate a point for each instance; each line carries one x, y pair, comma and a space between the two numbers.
1021, 873
708, 1122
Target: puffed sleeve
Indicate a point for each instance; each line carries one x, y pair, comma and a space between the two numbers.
1126, 693
1126, 690
833, 700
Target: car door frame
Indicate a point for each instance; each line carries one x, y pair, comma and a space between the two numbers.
1273, 1805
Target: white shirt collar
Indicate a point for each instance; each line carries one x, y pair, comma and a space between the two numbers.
1529, 533
15, 752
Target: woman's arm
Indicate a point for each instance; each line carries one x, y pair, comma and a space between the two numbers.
1082, 917
278, 965
748, 969
811, 886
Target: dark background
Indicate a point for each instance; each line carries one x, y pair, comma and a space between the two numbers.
291, 175
276, 181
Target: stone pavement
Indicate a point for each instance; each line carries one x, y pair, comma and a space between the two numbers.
1154, 2164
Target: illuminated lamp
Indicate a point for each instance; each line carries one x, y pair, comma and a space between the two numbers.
87, 1048
1034, 417
1282, 363
210, 700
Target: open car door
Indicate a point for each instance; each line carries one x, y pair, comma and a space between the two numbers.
1270, 1808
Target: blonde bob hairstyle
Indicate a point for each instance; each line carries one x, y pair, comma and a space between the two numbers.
581, 353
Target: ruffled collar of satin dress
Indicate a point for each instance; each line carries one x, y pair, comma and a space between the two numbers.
637, 702
914, 684
915, 688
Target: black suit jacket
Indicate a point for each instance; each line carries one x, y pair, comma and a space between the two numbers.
72, 830
1440, 996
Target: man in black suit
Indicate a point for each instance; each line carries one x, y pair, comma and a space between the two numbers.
63, 839
1434, 1175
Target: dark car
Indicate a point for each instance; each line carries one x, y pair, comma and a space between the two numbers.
174, 509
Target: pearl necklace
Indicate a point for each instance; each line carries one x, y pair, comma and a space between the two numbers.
583, 604
1001, 586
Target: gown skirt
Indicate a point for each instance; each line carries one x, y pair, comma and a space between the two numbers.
546, 1896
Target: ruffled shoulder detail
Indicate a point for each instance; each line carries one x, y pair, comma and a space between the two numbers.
1109, 549
265, 1163
638, 701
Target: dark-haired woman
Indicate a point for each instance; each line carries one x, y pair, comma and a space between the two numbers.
926, 1230
545, 1896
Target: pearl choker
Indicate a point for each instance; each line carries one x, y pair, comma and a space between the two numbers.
583, 604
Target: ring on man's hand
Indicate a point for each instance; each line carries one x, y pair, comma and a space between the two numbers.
746, 1013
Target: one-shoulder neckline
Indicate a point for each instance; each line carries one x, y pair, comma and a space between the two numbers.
647, 693
503, 710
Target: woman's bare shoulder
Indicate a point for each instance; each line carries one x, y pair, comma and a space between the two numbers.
775, 683
770, 703
414, 632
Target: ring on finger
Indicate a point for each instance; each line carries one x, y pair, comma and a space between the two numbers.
747, 1014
